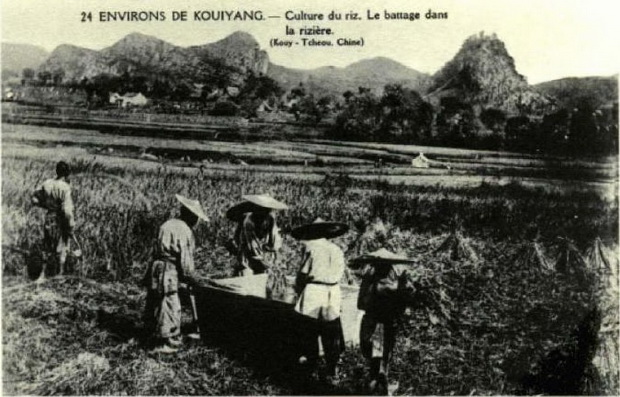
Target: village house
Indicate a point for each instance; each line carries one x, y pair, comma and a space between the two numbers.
232, 92
128, 100
9, 95
197, 91
264, 107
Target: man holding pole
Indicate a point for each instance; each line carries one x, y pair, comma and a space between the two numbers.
172, 268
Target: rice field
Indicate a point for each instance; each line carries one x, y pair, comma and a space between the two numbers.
503, 307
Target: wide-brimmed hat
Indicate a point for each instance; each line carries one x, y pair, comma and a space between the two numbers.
238, 211
265, 201
382, 257
192, 205
319, 229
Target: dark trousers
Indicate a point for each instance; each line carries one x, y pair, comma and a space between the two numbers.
55, 244
379, 364
332, 339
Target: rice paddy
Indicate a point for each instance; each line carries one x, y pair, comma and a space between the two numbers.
507, 302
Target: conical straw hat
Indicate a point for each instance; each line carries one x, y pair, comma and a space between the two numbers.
238, 211
382, 257
265, 201
319, 229
192, 205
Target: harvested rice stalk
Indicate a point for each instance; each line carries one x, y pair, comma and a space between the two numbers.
532, 258
571, 263
599, 259
78, 375
607, 358
458, 247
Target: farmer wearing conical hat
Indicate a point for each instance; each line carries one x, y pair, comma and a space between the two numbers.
257, 238
317, 282
385, 290
54, 195
173, 265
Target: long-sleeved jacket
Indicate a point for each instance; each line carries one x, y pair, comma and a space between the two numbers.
55, 196
255, 236
385, 290
175, 244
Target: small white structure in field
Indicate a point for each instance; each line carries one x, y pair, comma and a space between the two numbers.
149, 156
232, 91
264, 107
116, 99
420, 162
129, 99
134, 99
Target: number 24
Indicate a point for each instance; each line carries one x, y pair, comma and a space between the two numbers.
87, 16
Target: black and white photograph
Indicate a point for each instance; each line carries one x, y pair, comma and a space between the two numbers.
310, 198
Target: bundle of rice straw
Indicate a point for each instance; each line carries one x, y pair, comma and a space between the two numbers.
458, 247
373, 238
572, 263
532, 258
607, 359
601, 261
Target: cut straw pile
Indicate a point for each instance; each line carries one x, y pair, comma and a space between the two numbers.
604, 264
531, 258
458, 247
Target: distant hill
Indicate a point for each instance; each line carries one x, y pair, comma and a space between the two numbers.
483, 73
76, 62
146, 55
574, 91
16, 57
239, 49
372, 73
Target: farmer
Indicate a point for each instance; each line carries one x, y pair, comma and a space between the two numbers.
173, 266
385, 291
257, 238
54, 195
317, 283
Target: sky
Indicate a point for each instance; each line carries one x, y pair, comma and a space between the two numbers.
548, 39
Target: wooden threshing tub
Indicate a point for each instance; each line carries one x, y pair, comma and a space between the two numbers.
236, 312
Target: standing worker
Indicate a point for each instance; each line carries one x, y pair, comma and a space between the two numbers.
318, 282
385, 291
257, 238
54, 195
173, 265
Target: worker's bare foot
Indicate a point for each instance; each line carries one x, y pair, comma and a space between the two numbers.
40, 280
372, 386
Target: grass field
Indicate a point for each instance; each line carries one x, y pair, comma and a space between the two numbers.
493, 324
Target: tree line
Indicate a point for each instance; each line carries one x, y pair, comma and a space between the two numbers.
398, 114
402, 115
